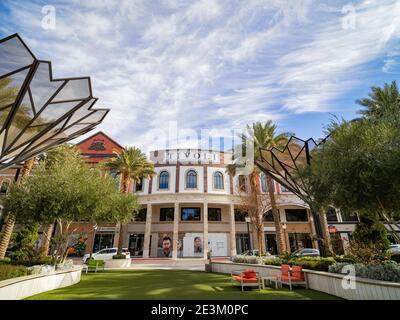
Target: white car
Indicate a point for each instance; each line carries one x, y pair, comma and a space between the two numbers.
394, 249
106, 254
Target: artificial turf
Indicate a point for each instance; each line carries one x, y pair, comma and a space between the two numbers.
169, 284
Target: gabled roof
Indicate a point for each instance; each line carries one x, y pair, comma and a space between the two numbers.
97, 135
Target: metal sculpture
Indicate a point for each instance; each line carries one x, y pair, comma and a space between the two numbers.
38, 112
285, 165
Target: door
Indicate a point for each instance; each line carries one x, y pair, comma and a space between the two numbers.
270, 242
136, 242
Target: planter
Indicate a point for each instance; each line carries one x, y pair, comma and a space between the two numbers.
118, 263
331, 283
23, 287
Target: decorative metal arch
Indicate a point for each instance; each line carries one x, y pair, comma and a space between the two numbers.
284, 165
38, 112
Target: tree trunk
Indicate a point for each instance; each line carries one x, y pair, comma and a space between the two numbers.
124, 189
47, 237
280, 236
327, 235
8, 229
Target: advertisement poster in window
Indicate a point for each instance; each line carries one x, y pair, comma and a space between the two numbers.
165, 246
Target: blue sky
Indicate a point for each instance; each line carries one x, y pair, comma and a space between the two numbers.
215, 64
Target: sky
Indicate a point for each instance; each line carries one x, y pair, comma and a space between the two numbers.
173, 68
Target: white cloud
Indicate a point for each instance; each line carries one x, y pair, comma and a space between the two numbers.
209, 63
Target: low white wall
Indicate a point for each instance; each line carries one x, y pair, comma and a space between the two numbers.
23, 287
331, 283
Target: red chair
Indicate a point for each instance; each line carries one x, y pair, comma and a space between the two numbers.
246, 278
296, 277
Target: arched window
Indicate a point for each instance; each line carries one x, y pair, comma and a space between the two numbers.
191, 179
264, 187
331, 214
268, 216
218, 180
4, 186
163, 180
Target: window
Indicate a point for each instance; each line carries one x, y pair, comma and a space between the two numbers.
296, 215
163, 180
167, 214
139, 185
4, 186
349, 216
189, 214
264, 186
218, 180
191, 179
240, 215
331, 214
284, 189
268, 216
242, 183
141, 215
214, 214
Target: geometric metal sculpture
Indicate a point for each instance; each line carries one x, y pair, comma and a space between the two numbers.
38, 112
284, 166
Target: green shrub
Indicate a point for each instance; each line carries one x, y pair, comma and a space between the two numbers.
345, 259
5, 261
314, 263
119, 256
246, 259
387, 271
40, 260
272, 261
8, 271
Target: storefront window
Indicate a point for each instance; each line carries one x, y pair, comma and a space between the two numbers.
240, 215
242, 242
102, 241
293, 215
141, 215
214, 214
167, 214
268, 216
299, 241
188, 214
136, 242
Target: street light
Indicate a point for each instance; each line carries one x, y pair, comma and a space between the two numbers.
95, 227
247, 219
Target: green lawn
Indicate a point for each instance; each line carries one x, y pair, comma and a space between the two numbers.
168, 284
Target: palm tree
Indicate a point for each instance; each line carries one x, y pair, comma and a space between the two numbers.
264, 137
9, 226
129, 164
380, 100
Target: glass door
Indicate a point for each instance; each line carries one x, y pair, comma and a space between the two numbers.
136, 242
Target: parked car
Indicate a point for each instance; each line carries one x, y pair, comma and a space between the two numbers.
306, 252
394, 249
106, 254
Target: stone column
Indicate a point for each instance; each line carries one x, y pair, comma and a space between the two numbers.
176, 230
233, 230
205, 230
147, 232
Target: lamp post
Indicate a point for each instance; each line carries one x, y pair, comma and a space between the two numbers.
247, 219
284, 227
95, 227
